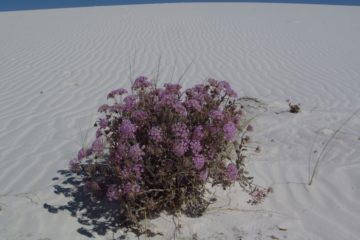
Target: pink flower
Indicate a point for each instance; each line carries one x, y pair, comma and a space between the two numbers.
195, 104
180, 109
180, 130
213, 82
213, 129
116, 108
130, 103
98, 146
119, 92
180, 148
98, 133
121, 151
155, 134
199, 88
198, 133
196, 147
111, 95
127, 129
103, 108
198, 93
159, 132
172, 88
232, 172
139, 115
217, 115
112, 193
74, 163
166, 99
103, 122
230, 131
225, 86
231, 92
81, 154
131, 188
141, 82
138, 169
199, 161
136, 153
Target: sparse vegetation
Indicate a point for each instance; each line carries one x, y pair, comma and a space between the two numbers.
294, 108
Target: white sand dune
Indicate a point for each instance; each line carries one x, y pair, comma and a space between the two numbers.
56, 67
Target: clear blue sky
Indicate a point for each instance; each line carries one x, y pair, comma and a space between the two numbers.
12, 5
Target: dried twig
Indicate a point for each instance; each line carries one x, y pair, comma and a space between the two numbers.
327, 144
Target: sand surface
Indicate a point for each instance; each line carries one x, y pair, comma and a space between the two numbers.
56, 67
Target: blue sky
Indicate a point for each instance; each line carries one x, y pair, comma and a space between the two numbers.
13, 5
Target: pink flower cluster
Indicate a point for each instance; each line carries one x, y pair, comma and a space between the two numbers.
157, 132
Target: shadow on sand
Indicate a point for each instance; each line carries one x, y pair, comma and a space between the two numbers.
96, 215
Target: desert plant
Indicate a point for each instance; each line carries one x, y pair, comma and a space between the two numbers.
157, 149
294, 108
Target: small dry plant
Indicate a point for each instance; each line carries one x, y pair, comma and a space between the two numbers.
327, 144
294, 108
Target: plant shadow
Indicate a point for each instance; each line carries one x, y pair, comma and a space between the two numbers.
96, 215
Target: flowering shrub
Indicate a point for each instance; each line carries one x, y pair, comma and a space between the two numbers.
156, 148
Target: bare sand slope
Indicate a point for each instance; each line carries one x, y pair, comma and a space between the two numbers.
56, 67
